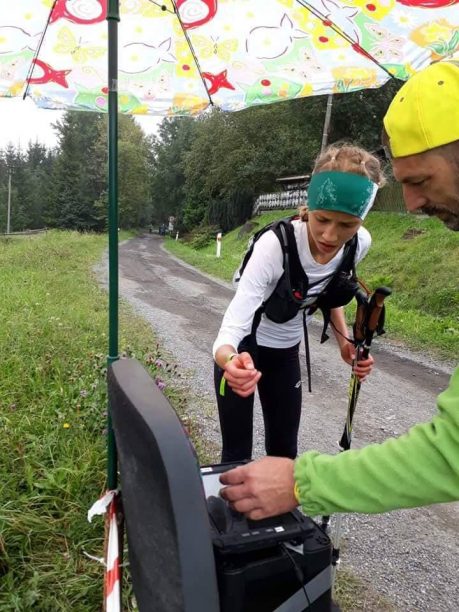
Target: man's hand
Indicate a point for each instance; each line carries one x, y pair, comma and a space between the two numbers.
241, 375
262, 488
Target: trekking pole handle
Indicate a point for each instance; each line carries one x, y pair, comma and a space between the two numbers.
360, 316
375, 308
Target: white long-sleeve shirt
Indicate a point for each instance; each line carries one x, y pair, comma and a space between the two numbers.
260, 277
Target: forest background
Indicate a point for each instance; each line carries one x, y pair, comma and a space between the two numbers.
205, 171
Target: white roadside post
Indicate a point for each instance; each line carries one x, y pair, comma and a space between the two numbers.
219, 244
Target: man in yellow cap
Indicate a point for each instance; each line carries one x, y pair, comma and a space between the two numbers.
421, 133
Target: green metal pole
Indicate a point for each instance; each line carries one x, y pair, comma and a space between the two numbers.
113, 17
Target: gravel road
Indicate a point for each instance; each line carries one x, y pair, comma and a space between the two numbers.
411, 557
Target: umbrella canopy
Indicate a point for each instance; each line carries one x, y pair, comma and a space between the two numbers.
178, 58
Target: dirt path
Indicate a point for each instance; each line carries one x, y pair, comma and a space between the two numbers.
411, 556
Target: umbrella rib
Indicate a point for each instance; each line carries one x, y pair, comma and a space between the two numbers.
354, 43
193, 53
163, 7
37, 52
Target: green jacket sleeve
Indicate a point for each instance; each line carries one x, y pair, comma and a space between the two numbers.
419, 468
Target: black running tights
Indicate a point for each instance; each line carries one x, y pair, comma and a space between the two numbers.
279, 389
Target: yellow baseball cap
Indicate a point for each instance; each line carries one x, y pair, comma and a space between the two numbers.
425, 112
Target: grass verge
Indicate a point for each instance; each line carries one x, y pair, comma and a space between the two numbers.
355, 595
53, 417
415, 256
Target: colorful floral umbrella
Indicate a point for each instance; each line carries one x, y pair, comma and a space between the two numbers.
180, 57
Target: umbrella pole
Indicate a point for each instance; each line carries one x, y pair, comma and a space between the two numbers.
112, 19
327, 119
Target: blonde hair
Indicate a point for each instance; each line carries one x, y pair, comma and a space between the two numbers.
347, 158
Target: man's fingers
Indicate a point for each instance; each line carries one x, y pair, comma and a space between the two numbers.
258, 514
234, 493
246, 505
240, 499
233, 477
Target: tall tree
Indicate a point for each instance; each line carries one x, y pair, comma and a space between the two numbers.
78, 178
169, 148
134, 175
12, 166
358, 116
36, 187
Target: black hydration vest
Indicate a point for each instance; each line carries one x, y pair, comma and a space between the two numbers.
293, 291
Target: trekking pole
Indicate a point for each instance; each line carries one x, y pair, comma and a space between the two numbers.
366, 324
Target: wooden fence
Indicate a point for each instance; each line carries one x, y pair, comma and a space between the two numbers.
389, 199
24, 233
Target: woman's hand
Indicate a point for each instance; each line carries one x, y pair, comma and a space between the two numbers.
241, 375
363, 368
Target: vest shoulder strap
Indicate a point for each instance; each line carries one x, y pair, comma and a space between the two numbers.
294, 272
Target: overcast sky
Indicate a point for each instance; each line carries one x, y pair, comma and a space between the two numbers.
21, 121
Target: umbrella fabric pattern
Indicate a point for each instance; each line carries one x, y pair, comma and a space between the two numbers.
179, 58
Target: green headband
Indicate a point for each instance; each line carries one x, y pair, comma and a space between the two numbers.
345, 192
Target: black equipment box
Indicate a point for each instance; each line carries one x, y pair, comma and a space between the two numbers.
280, 564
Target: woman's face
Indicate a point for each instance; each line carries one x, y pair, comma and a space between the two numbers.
329, 230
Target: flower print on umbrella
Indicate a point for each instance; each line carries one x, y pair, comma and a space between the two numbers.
270, 89
306, 67
83, 12
374, 9
194, 13
386, 46
98, 100
441, 36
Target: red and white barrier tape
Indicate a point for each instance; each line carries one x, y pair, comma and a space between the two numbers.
112, 587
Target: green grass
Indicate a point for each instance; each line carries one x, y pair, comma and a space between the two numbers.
53, 417
234, 245
417, 257
355, 595
422, 270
